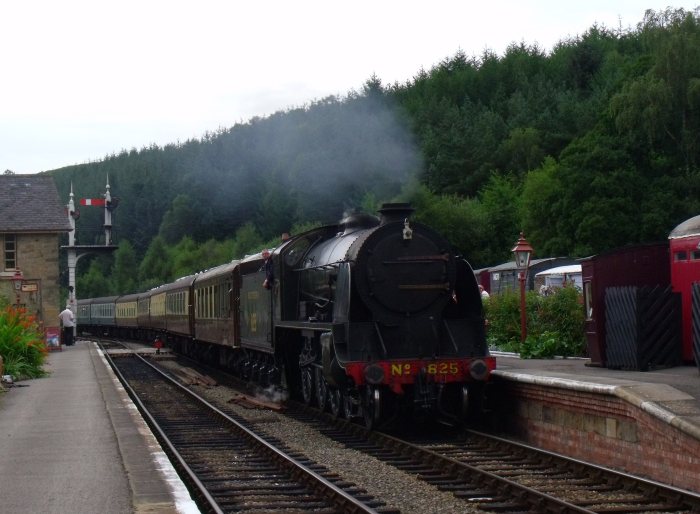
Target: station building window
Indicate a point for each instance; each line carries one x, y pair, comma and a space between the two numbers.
10, 252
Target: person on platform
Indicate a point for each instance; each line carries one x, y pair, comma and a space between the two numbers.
484, 293
68, 323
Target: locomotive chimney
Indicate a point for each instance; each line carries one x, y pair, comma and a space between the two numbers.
393, 212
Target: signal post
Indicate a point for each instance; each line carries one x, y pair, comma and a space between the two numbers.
75, 252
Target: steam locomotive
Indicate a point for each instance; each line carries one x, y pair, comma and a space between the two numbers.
370, 318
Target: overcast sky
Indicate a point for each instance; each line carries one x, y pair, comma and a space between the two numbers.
82, 79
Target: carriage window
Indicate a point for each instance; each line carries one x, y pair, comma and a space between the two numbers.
217, 301
695, 256
680, 256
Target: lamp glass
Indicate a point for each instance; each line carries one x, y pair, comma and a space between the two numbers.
522, 259
17, 280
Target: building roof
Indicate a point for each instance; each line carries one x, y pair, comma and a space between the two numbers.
690, 227
30, 203
561, 270
511, 266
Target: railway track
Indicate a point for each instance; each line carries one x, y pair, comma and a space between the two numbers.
496, 475
499, 475
227, 466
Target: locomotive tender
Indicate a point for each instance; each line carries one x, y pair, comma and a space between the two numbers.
366, 318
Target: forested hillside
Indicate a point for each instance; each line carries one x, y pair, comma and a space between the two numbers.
592, 145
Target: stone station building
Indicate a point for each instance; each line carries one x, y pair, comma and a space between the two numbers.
32, 220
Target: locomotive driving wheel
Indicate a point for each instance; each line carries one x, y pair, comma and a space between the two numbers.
307, 385
321, 390
464, 403
335, 402
371, 407
349, 404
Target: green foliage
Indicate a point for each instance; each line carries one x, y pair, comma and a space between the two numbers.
156, 266
500, 203
21, 343
164, 263
554, 323
185, 257
180, 220
591, 146
461, 221
247, 241
522, 150
541, 195
502, 313
124, 274
94, 282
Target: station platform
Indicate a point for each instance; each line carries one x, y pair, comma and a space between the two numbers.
74, 442
670, 394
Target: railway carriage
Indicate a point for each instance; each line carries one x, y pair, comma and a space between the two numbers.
83, 313
215, 304
102, 317
143, 315
156, 306
170, 309
179, 310
126, 316
684, 242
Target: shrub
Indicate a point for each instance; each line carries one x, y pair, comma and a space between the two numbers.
554, 323
21, 344
503, 320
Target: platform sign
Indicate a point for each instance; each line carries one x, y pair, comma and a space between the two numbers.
53, 339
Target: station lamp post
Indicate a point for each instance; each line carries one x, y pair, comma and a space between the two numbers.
17, 279
522, 251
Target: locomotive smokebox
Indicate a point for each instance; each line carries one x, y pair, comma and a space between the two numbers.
395, 212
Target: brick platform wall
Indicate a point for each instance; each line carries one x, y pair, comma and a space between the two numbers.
598, 428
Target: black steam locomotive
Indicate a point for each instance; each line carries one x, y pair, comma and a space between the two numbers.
370, 317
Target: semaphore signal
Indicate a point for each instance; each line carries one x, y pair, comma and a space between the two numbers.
75, 252
98, 202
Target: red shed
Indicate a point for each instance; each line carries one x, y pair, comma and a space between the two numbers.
640, 265
684, 243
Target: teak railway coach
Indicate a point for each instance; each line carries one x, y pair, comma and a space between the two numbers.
369, 317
